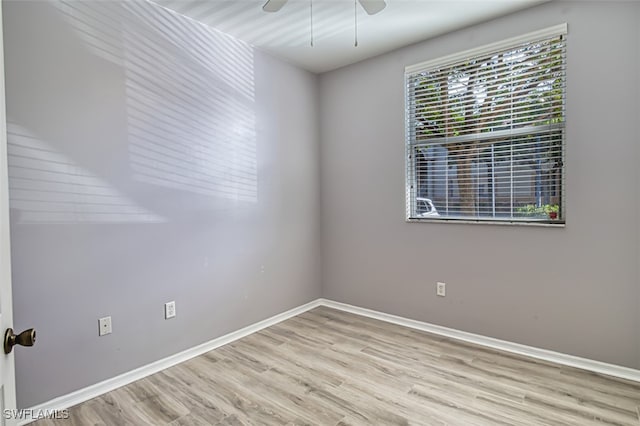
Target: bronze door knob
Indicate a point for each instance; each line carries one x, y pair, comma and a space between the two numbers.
26, 338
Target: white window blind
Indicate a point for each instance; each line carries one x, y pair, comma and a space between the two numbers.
485, 133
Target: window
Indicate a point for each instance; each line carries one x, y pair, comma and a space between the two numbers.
485, 133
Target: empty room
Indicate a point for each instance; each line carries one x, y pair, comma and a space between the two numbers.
320, 212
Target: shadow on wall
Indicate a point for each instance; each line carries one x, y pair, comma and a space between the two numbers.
141, 105
46, 187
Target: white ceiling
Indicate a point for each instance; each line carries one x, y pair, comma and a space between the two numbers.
286, 33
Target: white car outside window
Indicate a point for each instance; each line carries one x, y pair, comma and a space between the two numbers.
425, 208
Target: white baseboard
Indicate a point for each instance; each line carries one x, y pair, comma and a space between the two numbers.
108, 385
90, 392
503, 345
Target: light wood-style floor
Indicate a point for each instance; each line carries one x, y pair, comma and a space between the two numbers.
327, 367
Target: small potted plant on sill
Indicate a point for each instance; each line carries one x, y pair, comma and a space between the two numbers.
552, 211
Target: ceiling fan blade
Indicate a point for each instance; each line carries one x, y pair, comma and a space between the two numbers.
273, 5
372, 6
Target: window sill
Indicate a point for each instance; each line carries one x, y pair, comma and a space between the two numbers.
542, 223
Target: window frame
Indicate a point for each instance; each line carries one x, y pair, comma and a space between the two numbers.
560, 30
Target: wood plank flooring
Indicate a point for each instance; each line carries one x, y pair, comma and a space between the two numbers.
327, 367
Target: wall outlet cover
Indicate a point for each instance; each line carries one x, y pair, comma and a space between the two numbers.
104, 326
169, 310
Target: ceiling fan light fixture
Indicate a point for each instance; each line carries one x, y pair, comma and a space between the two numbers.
370, 6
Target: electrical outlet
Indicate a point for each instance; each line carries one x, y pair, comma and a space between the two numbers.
169, 310
104, 326
441, 289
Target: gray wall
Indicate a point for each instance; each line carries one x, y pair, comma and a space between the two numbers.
151, 159
573, 290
